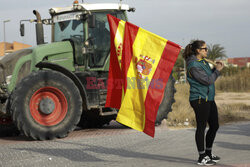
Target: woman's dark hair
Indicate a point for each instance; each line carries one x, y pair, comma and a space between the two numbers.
191, 49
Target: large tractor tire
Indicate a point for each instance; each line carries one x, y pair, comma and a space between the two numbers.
46, 105
167, 101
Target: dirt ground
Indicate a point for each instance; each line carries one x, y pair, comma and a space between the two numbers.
232, 98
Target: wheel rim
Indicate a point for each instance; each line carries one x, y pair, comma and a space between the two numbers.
57, 106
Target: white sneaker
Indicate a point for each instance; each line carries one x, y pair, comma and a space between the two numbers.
214, 158
206, 161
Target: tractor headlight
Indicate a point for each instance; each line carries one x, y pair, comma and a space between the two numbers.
52, 11
86, 43
74, 6
77, 7
8, 79
78, 17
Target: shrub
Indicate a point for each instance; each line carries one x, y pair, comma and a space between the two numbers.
233, 112
234, 81
182, 111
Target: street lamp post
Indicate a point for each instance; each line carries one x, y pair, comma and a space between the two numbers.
4, 37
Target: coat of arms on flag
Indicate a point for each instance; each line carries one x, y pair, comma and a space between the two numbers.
143, 57
144, 66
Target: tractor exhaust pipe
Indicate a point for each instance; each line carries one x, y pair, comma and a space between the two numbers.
39, 28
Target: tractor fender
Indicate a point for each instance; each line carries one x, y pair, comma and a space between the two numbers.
69, 74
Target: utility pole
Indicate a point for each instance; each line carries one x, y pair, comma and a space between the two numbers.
4, 36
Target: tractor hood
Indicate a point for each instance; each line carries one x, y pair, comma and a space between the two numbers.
55, 52
8, 62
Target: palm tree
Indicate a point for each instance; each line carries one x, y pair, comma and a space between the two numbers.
216, 52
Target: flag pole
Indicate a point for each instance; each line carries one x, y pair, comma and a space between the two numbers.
210, 61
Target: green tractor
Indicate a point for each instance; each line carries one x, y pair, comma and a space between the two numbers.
48, 90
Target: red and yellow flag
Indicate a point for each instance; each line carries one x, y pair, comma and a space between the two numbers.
144, 68
115, 81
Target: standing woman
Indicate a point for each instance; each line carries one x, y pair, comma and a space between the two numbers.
202, 90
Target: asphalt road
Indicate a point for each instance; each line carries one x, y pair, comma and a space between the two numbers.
118, 146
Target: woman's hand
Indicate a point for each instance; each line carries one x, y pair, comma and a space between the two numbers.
219, 66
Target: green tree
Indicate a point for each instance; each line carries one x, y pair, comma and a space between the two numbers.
179, 66
216, 52
180, 61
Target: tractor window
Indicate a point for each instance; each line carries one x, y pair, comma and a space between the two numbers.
100, 37
68, 30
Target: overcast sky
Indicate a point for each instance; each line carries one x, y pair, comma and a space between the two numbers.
224, 22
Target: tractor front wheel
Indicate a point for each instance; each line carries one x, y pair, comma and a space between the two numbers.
46, 105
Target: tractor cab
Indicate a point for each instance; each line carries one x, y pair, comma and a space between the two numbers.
86, 25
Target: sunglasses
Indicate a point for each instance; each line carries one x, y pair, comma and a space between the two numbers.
204, 49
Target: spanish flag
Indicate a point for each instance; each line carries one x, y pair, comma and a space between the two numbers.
144, 68
115, 81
